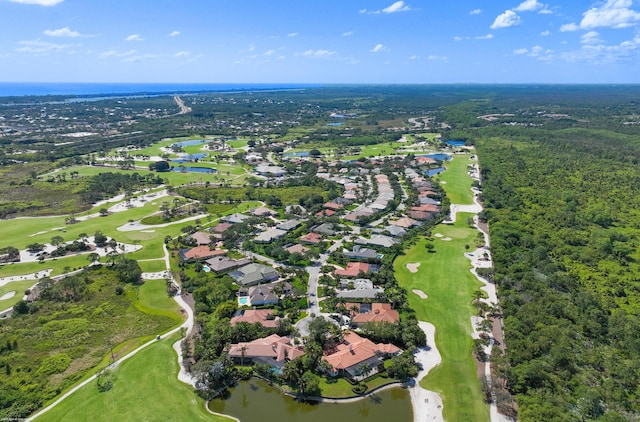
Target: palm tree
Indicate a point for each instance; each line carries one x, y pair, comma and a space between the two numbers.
243, 353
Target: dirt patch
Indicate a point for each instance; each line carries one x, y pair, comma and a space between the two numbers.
420, 293
413, 268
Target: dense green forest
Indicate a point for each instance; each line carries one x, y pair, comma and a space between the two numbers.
564, 211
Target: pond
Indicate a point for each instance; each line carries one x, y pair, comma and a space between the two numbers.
455, 143
256, 401
296, 154
195, 169
433, 172
437, 156
190, 143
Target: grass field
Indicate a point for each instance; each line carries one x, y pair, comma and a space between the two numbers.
444, 276
153, 299
15, 286
154, 266
458, 184
145, 388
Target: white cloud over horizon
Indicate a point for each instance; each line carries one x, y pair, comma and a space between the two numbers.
318, 54
134, 37
41, 47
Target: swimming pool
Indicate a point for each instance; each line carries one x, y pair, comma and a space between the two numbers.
206, 269
244, 301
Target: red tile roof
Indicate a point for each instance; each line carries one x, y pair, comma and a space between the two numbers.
355, 349
380, 312
313, 238
256, 315
203, 252
353, 269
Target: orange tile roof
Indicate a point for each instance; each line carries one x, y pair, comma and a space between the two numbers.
202, 252
256, 315
353, 269
355, 349
380, 312
274, 346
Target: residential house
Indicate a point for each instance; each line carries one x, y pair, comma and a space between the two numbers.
354, 269
201, 238
297, 248
221, 227
289, 225
269, 235
361, 253
200, 253
267, 170
372, 312
252, 274
236, 218
263, 212
273, 350
326, 213
263, 294
222, 264
263, 316
311, 238
325, 229
355, 353
377, 240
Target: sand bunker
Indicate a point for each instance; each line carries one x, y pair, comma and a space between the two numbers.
8, 295
147, 231
420, 293
413, 268
446, 238
438, 235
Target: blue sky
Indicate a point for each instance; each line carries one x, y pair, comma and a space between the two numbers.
320, 41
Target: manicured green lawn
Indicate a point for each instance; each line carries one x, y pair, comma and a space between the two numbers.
444, 276
458, 182
145, 388
153, 299
18, 287
154, 266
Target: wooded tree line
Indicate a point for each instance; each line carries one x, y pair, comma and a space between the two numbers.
563, 212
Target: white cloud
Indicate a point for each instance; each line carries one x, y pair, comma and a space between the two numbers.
181, 54
475, 12
136, 59
439, 58
457, 38
269, 53
174, 34
134, 37
529, 6
520, 51
484, 37
252, 47
115, 53
398, 6
613, 14
41, 47
507, 19
318, 54
293, 34
348, 33
39, 2
62, 32
545, 33
414, 57
591, 37
378, 48
568, 27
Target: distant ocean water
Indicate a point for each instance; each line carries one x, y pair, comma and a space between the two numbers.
21, 89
